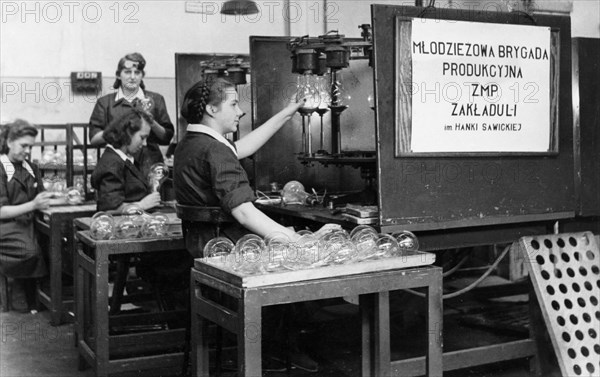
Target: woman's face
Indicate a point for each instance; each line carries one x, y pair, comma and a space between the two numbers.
20, 148
228, 112
131, 76
138, 139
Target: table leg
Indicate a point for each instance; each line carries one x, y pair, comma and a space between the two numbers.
366, 315
79, 307
249, 337
101, 312
199, 338
434, 326
381, 326
55, 259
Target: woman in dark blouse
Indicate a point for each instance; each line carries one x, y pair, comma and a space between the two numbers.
130, 94
21, 193
116, 178
207, 173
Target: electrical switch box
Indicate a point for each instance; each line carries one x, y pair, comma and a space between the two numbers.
86, 82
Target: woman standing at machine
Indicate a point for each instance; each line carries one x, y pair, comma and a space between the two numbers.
130, 94
208, 171
21, 193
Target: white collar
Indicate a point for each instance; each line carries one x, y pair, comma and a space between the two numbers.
121, 154
10, 168
139, 94
210, 132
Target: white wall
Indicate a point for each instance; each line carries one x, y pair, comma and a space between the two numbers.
41, 42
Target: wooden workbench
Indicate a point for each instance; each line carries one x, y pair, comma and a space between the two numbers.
55, 223
372, 282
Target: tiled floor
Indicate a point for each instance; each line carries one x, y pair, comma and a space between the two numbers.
31, 347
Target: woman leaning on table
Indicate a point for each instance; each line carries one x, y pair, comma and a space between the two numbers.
131, 93
21, 193
118, 182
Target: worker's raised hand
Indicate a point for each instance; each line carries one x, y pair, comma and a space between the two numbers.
293, 105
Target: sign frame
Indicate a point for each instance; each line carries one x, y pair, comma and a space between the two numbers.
403, 97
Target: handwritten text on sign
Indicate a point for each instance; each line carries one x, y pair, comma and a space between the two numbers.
480, 87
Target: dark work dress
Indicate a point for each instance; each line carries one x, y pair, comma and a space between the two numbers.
208, 173
20, 253
117, 181
107, 109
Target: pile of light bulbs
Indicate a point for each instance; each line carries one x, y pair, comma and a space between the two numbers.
134, 222
252, 254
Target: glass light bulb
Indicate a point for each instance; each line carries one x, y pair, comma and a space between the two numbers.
158, 173
407, 241
102, 226
218, 250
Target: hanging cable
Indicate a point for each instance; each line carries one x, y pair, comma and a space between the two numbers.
472, 285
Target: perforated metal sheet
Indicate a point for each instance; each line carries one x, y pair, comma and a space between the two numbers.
565, 271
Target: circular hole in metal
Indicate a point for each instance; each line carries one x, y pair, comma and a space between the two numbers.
560, 243
596, 270
586, 317
560, 320
540, 259
558, 273
565, 257
589, 254
552, 258
579, 335
590, 367
562, 288
588, 285
535, 244
594, 301
555, 305
571, 352
577, 369
597, 314
570, 272
566, 337
548, 243
598, 283
582, 271
572, 241
573, 319
581, 302
597, 348
576, 255
576, 287
550, 290
568, 304
584, 351
593, 333
546, 275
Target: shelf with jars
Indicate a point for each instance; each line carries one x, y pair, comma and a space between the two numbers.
66, 161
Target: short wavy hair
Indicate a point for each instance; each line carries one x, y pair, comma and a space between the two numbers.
119, 132
13, 131
134, 57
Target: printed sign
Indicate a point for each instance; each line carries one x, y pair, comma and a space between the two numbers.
480, 87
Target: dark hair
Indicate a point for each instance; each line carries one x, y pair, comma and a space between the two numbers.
205, 92
13, 131
118, 133
134, 57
